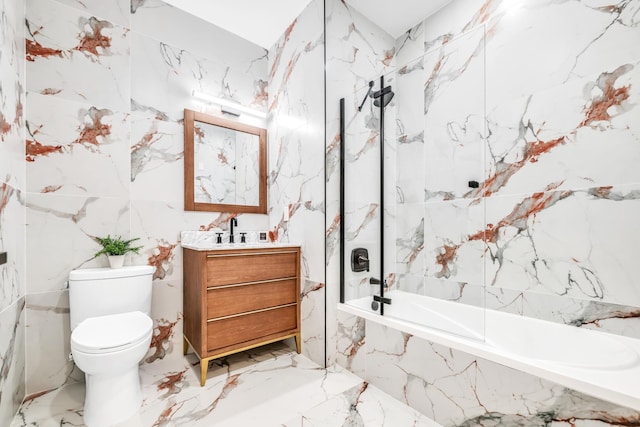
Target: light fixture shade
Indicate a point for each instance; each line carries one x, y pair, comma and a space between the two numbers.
233, 106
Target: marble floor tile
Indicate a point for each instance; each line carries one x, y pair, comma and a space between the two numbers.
361, 405
269, 386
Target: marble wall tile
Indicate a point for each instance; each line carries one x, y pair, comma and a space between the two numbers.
76, 148
157, 155
528, 34
452, 290
312, 317
410, 239
12, 209
410, 45
180, 71
589, 314
296, 166
76, 56
364, 50
454, 248
454, 131
556, 136
152, 18
66, 226
12, 95
414, 283
158, 225
351, 339
116, 11
48, 327
410, 187
167, 315
576, 243
12, 359
296, 196
12, 235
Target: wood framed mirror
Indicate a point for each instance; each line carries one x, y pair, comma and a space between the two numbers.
225, 165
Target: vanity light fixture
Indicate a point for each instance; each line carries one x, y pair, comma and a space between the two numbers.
228, 106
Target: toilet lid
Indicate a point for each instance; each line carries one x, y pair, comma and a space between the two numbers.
111, 333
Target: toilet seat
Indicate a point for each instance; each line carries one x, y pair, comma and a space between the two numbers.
105, 334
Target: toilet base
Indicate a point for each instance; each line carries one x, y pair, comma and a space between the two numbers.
112, 399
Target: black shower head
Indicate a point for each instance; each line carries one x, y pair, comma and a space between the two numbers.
386, 95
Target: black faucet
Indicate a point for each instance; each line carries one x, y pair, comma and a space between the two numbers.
233, 222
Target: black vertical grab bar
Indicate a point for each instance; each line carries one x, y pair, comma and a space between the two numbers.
382, 279
342, 152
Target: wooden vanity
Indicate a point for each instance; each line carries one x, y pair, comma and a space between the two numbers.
239, 298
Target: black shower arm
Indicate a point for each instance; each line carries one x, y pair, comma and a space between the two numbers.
366, 95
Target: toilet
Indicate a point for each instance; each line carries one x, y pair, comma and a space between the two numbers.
111, 333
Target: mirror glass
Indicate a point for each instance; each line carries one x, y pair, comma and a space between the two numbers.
225, 165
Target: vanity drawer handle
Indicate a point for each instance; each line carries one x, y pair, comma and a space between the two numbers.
235, 285
252, 312
250, 254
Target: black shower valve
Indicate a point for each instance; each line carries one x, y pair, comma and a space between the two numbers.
473, 184
359, 260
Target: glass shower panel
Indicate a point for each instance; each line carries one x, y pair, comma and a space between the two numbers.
439, 111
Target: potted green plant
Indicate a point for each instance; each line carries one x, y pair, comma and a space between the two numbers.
116, 248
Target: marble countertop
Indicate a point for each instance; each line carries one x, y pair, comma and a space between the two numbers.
207, 246
199, 240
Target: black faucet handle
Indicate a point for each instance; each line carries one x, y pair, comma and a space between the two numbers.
243, 237
219, 238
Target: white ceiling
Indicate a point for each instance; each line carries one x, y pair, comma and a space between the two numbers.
398, 16
263, 22
260, 21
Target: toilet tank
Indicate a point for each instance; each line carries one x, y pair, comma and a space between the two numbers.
102, 291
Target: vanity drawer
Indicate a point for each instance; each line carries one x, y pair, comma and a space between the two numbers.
246, 327
233, 299
250, 266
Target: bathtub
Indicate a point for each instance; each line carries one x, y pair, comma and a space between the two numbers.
603, 365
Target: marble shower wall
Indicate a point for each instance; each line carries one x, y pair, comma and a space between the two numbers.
296, 158
12, 209
358, 51
543, 112
107, 83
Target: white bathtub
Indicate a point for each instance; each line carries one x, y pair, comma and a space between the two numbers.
603, 365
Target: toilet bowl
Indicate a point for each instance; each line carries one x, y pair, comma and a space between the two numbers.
111, 333
108, 349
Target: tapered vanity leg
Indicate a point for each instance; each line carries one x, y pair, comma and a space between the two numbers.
298, 343
204, 366
185, 347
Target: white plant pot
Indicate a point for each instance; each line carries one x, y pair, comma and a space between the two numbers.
116, 261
